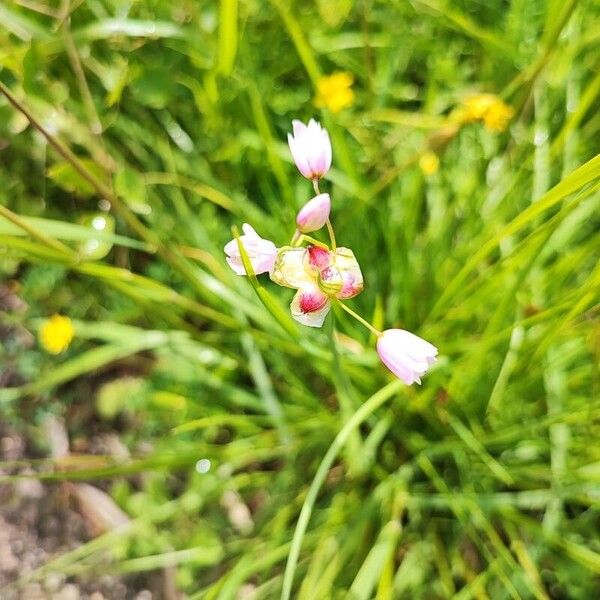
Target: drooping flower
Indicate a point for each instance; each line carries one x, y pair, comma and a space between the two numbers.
405, 354
56, 334
311, 148
314, 214
319, 275
261, 253
335, 91
429, 163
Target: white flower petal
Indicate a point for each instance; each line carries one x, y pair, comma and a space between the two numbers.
289, 269
310, 319
261, 253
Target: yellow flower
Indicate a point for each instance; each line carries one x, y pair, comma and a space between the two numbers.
429, 163
488, 108
476, 106
56, 334
335, 91
498, 117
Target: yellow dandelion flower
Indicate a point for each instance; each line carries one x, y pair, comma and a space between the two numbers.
460, 115
56, 334
429, 163
498, 117
476, 106
335, 91
488, 108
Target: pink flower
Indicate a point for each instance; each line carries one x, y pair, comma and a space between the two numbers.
319, 275
310, 306
311, 148
406, 355
262, 253
318, 257
314, 214
352, 279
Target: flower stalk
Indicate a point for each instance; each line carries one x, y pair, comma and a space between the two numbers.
362, 321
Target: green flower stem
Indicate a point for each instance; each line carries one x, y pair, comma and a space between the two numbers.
368, 325
296, 238
313, 241
331, 235
301, 238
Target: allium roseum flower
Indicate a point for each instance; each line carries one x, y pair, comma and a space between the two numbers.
319, 275
261, 253
405, 354
314, 214
311, 148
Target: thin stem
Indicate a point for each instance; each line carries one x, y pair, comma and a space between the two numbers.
331, 235
368, 325
300, 238
296, 238
313, 241
38, 235
84, 90
315, 183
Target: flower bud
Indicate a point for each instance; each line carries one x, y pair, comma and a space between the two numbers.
311, 149
314, 214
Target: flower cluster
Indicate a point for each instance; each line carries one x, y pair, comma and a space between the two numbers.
322, 274
490, 109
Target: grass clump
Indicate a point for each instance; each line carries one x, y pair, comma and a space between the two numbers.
252, 444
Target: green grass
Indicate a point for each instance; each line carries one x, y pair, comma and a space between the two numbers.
484, 482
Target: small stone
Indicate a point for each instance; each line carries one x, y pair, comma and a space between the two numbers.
33, 591
53, 582
68, 592
30, 488
8, 561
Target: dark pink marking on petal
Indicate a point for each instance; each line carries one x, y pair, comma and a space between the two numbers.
312, 301
319, 257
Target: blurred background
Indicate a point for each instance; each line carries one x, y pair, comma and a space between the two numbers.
161, 429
